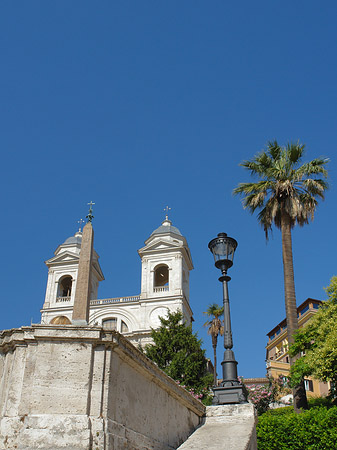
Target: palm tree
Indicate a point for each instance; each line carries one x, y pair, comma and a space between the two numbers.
285, 195
215, 328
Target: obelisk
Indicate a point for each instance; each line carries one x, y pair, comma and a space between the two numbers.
82, 294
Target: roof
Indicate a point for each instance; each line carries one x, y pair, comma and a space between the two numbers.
77, 239
300, 311
166, 228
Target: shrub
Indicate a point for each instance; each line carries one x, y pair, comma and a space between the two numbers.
205, 395
315, 429
281, 411
263, 395
320, 401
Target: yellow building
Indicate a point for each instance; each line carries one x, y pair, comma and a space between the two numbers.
277, 358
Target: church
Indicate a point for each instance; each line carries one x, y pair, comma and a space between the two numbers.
165, 266
76, 381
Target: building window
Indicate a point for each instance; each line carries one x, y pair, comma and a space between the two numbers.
124, 327
110, 324
161, 278
305, 309
113, 324
308, 385
64, 287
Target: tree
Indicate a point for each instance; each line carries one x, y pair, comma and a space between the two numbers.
285, 195
318, 343
215, 328
177, 351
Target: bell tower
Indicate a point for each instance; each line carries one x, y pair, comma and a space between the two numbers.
63, 278
166, 264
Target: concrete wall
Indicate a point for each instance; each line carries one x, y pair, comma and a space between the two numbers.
85, 388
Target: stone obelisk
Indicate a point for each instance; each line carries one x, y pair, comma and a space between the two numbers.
82, 294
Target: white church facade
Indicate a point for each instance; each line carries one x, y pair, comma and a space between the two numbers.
165, 263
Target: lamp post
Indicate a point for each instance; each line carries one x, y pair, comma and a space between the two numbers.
230, 389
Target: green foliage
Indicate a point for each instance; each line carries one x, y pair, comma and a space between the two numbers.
283, 429
318, 340
320, 401
214, 310
177, 351
281, 411
331, 290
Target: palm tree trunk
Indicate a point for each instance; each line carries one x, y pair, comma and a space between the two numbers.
214, 370
299, 394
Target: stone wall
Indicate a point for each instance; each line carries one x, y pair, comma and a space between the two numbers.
85, 388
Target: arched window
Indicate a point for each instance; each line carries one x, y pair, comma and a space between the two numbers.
64, 288
161, 278
124, 327
110, 324
114, 324
60, 320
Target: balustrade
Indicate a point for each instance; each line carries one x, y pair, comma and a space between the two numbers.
161, 289
63, 299
134, 298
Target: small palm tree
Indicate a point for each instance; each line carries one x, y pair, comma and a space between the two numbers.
285, 195
215, 328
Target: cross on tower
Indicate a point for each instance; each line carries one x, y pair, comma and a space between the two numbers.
90, 216
167, 209
80, 223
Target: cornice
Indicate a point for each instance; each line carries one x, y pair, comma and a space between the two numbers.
60, 259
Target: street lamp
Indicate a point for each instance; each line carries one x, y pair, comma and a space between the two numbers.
230, 389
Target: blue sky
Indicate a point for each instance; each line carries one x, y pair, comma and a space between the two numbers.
141, 104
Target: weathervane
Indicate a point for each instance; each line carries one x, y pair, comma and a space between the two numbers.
80, 223
167, 209
90, 216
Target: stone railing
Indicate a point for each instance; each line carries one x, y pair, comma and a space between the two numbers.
161, 289
106, 301
63, 299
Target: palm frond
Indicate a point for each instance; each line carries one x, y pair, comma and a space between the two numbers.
267, 215
250, 188
315, 187
274, 150
253, 166
285, 187
214, 310
294, 152
314, 167
264, 161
